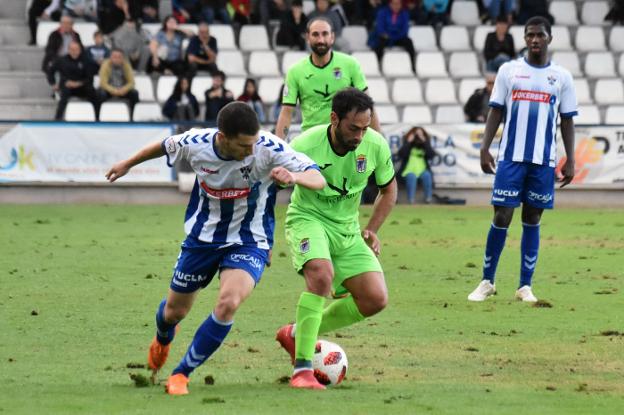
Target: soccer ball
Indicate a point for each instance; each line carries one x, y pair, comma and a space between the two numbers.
329, 363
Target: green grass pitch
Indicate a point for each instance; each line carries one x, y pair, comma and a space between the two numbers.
79, 286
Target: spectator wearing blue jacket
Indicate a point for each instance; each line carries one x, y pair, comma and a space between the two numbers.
391, 29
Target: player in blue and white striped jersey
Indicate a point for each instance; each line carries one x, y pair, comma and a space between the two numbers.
229, 224
530, 93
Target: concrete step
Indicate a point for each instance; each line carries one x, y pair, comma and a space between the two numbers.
19, 109
13, 9
26, 87
13, 32
21, 58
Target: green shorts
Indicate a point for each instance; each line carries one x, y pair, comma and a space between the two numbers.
311, 239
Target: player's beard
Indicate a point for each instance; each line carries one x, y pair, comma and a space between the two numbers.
320, 49
348, 145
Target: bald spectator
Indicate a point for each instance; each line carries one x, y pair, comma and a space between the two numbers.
58, 42
202, 50
117, 80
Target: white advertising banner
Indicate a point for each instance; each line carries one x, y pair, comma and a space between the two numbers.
51, 152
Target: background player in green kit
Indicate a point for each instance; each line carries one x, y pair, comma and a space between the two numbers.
315, 79
323, 231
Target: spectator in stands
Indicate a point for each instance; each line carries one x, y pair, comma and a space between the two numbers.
81, 9
476, 109
416, 11
44, 10
149, 11
437, 12
166, 49
75, 80
616, 13
241, 11
530, 8
117, 80
112, 14
182, 104
277, 105
415, 154
251, 97
264, 10
292, 28
194, 11
217, 96
391, 29
202, 51
337, 19
133, 43
500, 9
499, 46
58, 42
99, 51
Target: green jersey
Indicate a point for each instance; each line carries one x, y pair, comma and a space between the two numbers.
315, 86
337, 205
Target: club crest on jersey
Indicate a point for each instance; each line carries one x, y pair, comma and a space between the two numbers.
360, 163
551, 79
245, 172
304, 246
337, 73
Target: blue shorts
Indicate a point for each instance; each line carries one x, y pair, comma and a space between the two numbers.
198, 263
529, 183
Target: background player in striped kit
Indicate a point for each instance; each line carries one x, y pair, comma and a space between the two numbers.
229, 224
530, 92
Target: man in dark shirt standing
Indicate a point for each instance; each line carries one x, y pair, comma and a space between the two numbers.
202, 50
476, 109
217, 96
499, 46
76, 79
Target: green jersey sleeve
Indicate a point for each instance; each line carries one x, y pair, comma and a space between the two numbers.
384, 168
291, 87
358, 78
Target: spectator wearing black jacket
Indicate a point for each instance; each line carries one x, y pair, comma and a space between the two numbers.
292, 28
182, 104
415, 154
476, 109
44, 10
499, 46
75, 79
202, 50
217, 96
58, 42
531, 8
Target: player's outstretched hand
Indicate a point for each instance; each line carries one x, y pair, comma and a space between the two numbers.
372, 241
487, 162
567, 173
118, 170
282, 176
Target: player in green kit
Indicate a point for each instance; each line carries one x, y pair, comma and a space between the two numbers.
323, 231
315, 79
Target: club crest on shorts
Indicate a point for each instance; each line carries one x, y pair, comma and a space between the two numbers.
337, 73
360, 163
304, 246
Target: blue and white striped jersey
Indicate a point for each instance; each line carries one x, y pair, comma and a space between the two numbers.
532, 97
232, 201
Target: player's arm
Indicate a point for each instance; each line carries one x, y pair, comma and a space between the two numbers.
310, 178
385, 201
284, 120
567, 133
375, 124
495, 115
148, 152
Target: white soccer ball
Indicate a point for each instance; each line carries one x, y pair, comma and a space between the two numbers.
329, 363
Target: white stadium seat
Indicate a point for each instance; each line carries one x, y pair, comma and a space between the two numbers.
454, 38
396, 63
440, 91
599, 65
308, 7
465, 13
582, 91
416, 114
378, 90
423, 38
621, 65
449, 114
189, 28
609, 91
268, 89
407, 91
263, 63
232, 62
616, 39
464, 64
114, 111
568, 60
224, 35
151, 28
565, 12
590, 38
291, 57
588, 114
199, 85
143, 85
164, 88
236, 84
253, 37
86, 31
480, 33
387, 114
615, 115
147, 111
430, 65
594, 12
561, 39
368, 62
356, 36
79, 111
467, 87
517, 32
43, 32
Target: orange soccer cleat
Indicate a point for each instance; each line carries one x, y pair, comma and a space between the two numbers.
157, 355
285, 338
305, 379
177, 384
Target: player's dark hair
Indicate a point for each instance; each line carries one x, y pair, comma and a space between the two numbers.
316, 19
349, 99
237, 118
117, 50
538, 21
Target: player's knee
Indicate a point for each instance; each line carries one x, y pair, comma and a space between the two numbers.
502, 218
373, 304
227, 305
319, 278
175, 313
